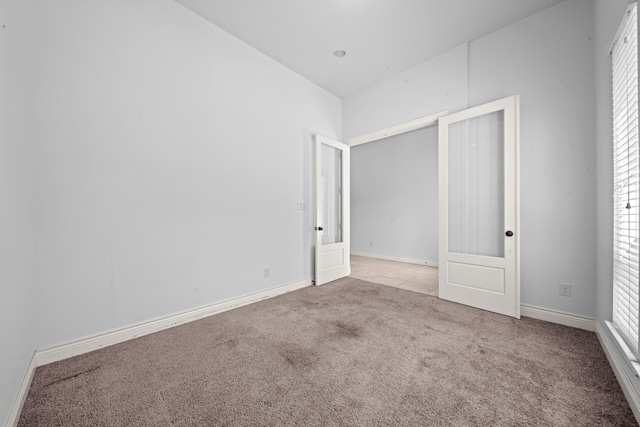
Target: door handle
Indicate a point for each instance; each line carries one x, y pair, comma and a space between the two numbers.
318, 228
509, 233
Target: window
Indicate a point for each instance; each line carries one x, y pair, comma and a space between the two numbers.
626, 200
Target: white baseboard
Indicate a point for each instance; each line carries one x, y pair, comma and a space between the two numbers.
560, 317
18, 403
97, 341
617, 364
399, 259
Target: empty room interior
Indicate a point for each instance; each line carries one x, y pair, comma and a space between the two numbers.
173, 252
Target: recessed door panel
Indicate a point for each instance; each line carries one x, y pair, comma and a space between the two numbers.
476, 277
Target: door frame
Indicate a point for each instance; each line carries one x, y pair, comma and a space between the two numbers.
399, 129
433, 119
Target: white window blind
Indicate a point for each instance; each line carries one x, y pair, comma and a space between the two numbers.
626, 200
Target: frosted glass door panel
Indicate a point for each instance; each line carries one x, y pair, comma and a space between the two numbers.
331, 198
476, 185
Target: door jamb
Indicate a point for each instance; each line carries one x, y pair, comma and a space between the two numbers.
398, 129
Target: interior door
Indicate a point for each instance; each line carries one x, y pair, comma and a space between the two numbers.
479, 212
332, 210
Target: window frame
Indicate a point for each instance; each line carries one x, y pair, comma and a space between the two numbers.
625, 324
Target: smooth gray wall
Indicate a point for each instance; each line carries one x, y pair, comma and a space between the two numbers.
548, 59
394, 196
17, 216
171, 160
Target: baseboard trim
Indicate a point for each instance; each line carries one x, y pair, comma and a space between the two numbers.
97, 341
617, 364
395, 258
18, 403
559, 317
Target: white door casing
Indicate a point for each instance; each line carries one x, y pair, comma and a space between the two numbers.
479, 207
332, 260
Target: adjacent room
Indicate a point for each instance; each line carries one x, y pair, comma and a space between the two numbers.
172, 253
394, 210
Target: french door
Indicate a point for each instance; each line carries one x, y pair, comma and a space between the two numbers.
332, 210
479, 212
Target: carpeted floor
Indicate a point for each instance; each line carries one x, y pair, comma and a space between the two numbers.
346, 353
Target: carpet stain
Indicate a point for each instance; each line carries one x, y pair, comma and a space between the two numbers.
437, 360
232, 343
70, 377
296, 356
347, 330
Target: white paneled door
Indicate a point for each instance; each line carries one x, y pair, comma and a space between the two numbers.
332, 210
479, 213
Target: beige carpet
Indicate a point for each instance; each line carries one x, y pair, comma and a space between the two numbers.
343, 354
412, 277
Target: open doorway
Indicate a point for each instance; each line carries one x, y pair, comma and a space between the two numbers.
478, 201
394, 210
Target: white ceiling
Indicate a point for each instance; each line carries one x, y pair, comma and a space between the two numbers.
381, 37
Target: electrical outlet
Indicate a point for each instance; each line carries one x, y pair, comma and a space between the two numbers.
370, 244
267, 272
301, 206
564, 289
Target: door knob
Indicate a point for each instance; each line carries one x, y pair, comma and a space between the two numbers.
509, 233
318, 228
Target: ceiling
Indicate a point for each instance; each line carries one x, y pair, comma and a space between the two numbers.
380, 37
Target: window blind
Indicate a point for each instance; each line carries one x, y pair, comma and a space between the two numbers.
626, 200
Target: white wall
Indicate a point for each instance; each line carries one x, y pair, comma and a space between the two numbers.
547, 59
435, 85
171, 160
394, 196
17, 220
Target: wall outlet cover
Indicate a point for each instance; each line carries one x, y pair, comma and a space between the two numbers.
564, 289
